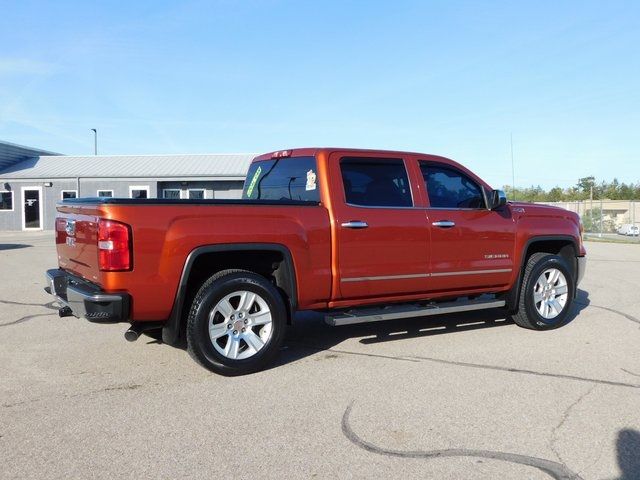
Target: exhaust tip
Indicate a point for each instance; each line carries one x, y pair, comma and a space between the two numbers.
131, 335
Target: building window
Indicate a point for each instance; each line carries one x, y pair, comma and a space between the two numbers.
105, 193
64, 194
171, 193
6, 201
139, 192
196, 194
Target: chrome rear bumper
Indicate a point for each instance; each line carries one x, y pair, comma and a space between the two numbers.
85, 299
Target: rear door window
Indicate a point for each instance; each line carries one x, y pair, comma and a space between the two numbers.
293, 178
375, 182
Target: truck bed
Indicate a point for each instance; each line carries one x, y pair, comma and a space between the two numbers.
165, 231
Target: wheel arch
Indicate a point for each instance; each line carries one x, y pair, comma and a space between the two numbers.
266, 259
564, 245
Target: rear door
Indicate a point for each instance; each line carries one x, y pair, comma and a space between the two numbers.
380, 238
471, 247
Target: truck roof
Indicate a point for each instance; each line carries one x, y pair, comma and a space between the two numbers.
314, 151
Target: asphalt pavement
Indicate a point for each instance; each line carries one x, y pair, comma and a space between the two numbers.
460, 396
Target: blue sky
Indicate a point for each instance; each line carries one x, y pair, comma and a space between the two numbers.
446, 77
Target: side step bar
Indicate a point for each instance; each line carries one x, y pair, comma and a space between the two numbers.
391, 312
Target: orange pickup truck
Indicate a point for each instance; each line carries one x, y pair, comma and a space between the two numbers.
361, 235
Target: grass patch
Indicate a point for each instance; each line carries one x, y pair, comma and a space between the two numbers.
605, 239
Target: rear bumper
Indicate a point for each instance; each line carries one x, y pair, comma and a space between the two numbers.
582, 266
87, 300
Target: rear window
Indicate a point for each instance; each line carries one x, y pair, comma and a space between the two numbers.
283, 179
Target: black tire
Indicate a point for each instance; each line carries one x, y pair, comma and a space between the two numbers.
199, 343
527, 314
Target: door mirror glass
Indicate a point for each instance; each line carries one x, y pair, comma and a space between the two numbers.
497, 199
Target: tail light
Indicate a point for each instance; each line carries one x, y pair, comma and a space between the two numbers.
114, 246
61, 224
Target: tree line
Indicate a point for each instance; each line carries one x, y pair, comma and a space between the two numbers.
613, 190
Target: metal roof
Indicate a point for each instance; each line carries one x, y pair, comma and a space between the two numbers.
10, 154
131, 166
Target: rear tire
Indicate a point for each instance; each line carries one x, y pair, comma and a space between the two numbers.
236, 323
546, 294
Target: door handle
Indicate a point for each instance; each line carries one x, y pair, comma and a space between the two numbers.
355, 224
444, 224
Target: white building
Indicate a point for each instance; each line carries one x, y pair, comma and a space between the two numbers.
32, 181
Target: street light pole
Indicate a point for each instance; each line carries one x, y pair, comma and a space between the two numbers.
95, 141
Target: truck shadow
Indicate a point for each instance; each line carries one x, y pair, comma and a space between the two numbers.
627, 447
309, 334
13, 246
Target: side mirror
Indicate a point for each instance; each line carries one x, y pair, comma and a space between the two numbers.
497, 199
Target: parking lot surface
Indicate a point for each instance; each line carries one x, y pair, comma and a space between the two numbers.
460, 396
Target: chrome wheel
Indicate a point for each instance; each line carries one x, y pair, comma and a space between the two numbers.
240, 325
550, 293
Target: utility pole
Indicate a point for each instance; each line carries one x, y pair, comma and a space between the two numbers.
95, 141
591, 209
601, 215
513, 171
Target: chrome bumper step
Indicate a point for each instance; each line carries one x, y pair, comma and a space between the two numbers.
392, 312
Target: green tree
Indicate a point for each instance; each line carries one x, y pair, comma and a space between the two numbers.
555, 194
584, 187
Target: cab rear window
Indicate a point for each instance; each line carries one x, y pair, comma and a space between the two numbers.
283, 179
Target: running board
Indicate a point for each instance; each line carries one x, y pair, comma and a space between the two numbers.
392, 312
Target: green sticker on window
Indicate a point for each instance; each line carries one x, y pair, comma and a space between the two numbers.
253, 182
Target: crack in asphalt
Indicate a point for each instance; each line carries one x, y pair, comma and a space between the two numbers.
555, 470
418, 359
112, 388
49, 306
612, 310
565, 416
25, 319
496, 367
630, 373
528, 372
347, 352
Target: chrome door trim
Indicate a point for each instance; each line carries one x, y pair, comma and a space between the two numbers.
424, 275
385, 277
471, 272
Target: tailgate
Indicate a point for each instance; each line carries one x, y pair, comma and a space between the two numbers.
77, 241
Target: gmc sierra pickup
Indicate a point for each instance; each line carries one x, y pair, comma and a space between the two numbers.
361, 235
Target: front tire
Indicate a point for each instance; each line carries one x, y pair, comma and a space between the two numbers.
236, 323
546, 294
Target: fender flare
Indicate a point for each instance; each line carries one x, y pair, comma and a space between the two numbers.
171, 328
512, 295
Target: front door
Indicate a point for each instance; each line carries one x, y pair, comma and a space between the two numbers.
381, 239
32, 208
471, 247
